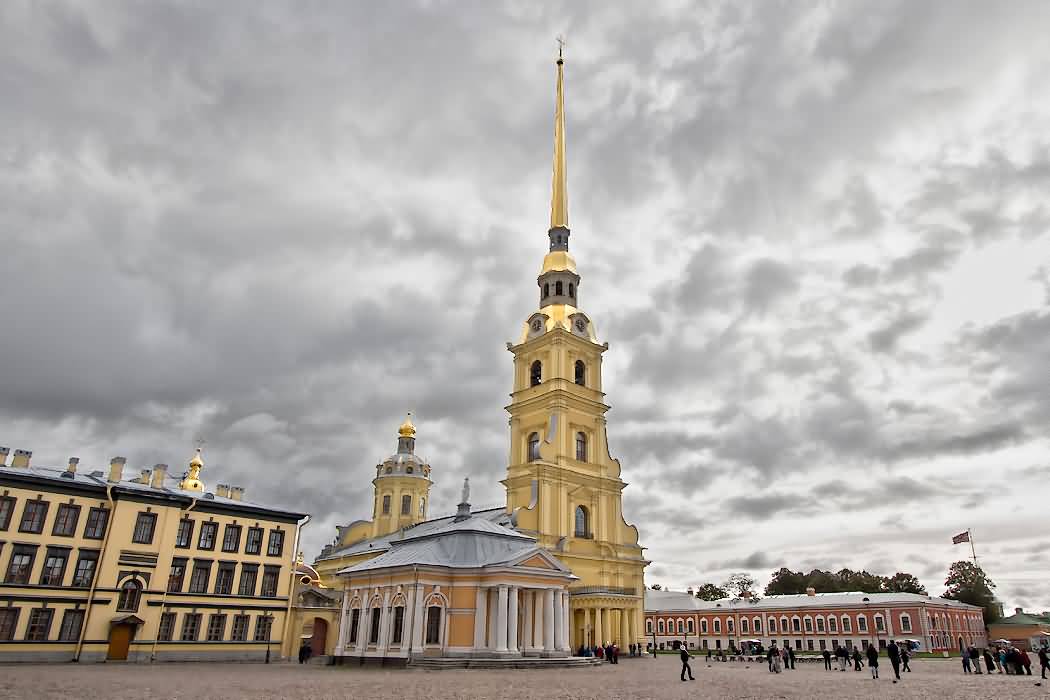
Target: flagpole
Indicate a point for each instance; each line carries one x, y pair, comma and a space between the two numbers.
972, 550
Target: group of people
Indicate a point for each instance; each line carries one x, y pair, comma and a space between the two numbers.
1006, 659
610, 652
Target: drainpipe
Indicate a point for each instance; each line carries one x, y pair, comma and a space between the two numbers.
111, 518
291, 583
164, 596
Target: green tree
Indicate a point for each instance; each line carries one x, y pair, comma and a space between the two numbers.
901, 582
968, 583
785, 582
657, 587
710, 591
739, 584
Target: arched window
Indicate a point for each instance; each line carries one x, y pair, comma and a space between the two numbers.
809, 624
433, 625
557, 288
130, 593
648, 626
535, 373
906, 623
389, 470
409, 470
581, 373
845, 625
796, 624
572, 291
534, 447
880, 624
406, 505
581, 447
783, 624
758, 625
660, 626
744, 626
820, 625
689, 625
546, 290
718, 626
583, 522
681, 627
729, 625
833, 625
703, 625
862, 623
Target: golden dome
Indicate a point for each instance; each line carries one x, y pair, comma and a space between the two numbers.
192, 481
197, 461
407, 430
558, 260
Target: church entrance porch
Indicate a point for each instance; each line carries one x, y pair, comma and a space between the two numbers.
602, 618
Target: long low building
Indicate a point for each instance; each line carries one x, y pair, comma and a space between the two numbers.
812, 622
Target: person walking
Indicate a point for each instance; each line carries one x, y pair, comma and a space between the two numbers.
894, 652
304, 652
873, 661
791, 657
1026, 662
1000, 659
857, 659
827, 659
1044, 661
989, 661
975, 659
843, 657
769, 656
905, 657
966, 661
776, 659
683, 654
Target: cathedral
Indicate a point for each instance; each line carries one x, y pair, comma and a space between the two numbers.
559, 566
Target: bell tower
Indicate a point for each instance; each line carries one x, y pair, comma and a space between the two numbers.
563, 486
402, 486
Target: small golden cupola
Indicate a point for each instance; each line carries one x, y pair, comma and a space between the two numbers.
192, 482
402, 485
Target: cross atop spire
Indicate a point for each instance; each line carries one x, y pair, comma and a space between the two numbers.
559, 192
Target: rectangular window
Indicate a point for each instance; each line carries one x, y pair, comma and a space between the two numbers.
144, 526
905, 623
54, 570
95, 529
66, 520
84, 573
239, 633
199, 577
845, 625
269, 582
798, 644
72, 621
795, 624
21, 564
758, 625
7, 507
433, 625
39, 624
208, 532
8, 623
406, 504
386, 505
184, 536
809, 644
262, 627
880, 624
355, 622
33, 517
249, 574
820, 624
224, 579
862, 624
373, 631
191, 627
833, 626
231, 538
276, 544
167, 627
177, 575
399, 622
216, 628
772, 625
253, 545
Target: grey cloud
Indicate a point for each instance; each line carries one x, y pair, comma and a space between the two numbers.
885, 339
769, 281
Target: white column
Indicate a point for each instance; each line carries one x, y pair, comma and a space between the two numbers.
566, 620
625, 630
512, 619
344, 623
632, 628
548, 620
527, 641
364, 624
559, 621
501, 620
599, 639
481, 605
384, 623
538, 621
587, 627
417, 623
493, 597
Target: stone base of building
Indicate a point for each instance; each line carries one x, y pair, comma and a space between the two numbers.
388, 661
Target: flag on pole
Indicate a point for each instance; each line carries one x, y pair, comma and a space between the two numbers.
961, 537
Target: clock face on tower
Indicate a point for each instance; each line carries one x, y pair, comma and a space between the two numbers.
581, 325
537, 325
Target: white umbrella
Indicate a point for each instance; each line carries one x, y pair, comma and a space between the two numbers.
1002, 641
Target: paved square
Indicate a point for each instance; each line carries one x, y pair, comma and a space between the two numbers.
632, 678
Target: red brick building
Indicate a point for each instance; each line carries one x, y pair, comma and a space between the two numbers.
812, 621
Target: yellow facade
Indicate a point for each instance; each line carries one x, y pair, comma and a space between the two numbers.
133, 602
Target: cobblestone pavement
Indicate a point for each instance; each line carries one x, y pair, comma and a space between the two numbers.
632, 678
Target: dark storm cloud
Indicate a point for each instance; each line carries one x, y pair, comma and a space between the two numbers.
280, 228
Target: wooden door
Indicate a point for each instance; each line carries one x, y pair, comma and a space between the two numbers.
119, 641
317, 641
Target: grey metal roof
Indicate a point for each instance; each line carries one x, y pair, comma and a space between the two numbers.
679, 601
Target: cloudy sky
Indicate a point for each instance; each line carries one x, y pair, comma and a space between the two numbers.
816, 238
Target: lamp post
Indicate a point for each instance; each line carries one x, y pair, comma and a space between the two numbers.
269, 633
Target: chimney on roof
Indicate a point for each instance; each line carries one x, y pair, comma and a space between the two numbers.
144, 475
3, 456
21, 459
71, 468
689, 590
747, 594
160, 472
116, 469
236, 492
222, 490
811, 591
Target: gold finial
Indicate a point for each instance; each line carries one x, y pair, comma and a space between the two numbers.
407, 430
299, 559
192, 482
559, 192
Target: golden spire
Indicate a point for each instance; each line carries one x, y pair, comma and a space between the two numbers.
559, 193
407, 430
192, 482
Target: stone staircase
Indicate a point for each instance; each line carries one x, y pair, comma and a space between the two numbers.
437, 664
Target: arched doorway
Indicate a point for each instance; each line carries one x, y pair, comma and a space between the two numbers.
319, 637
